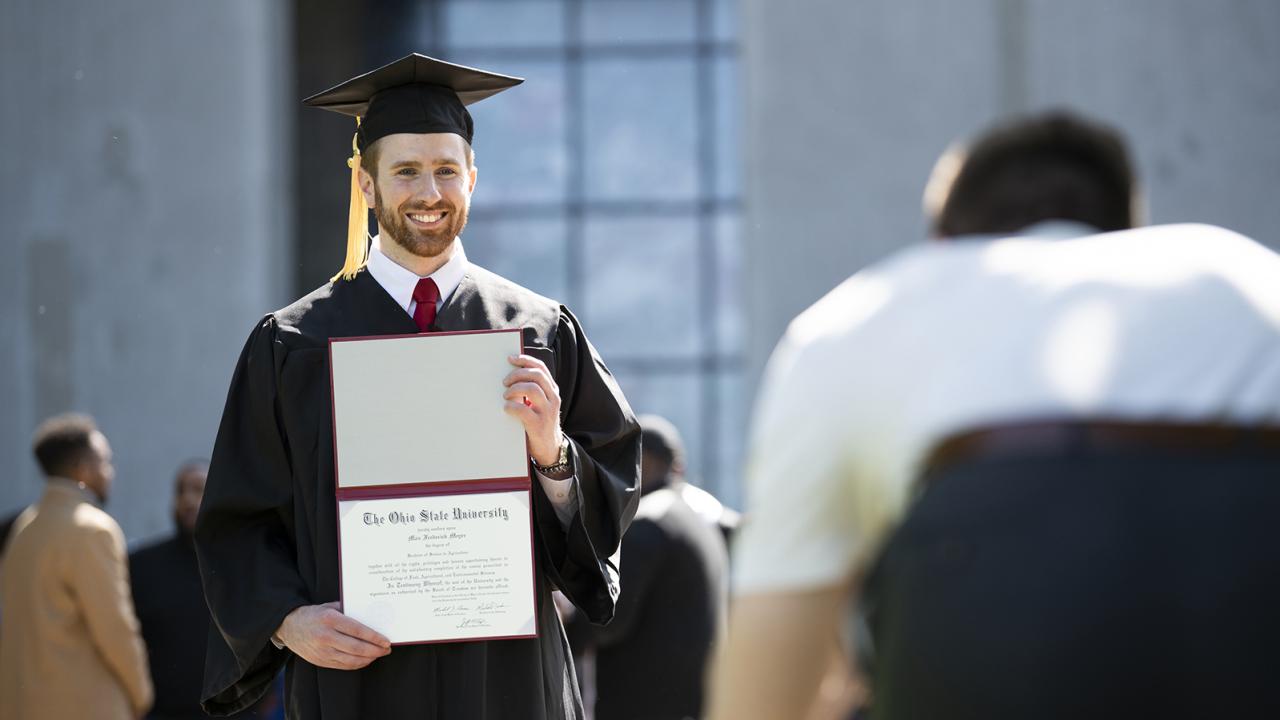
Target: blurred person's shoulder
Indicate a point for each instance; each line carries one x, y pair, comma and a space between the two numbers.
664, 517
89, 519
1199, 246
69, 530
1155, 256
899, 281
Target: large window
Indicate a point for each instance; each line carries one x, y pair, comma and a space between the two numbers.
610, 180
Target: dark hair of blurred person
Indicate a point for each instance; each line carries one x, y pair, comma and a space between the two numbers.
71, 446
662, 456
71, 645
662, 464
1053, 166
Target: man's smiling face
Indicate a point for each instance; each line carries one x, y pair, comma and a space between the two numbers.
421, 192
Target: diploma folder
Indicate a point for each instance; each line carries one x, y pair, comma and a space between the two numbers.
435, 531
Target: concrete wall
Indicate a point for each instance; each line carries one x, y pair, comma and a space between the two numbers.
849, 102
145, 193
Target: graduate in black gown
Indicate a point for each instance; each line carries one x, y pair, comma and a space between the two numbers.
266, 536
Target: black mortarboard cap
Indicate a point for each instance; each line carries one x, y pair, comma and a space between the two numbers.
415, 94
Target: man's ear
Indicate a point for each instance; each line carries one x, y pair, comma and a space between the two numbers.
366, 187
79, 469
471, 185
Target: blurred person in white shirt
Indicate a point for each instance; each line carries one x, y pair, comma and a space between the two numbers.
1038, 453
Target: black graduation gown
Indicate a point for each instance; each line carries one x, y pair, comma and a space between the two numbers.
267, 539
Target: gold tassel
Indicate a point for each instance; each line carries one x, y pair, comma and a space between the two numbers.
357, 220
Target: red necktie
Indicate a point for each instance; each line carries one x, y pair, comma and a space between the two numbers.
426, 294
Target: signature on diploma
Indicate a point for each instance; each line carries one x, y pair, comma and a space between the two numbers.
446, 610
474, 623
491, 607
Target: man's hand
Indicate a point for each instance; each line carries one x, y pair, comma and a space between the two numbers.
324, 637
534, 398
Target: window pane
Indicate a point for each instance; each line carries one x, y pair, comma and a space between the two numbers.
530, 252
676, 397
724, 20
728, 109
520, 136
729, 320
640, 130
638, 21
641, 298
504, 23
731, 433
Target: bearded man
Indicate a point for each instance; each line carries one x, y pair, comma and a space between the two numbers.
266, 535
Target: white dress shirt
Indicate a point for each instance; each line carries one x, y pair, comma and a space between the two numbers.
1171, 323
399, 283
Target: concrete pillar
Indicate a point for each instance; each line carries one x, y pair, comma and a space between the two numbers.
147, 203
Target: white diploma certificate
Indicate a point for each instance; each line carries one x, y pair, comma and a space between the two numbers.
434, 516
441, 567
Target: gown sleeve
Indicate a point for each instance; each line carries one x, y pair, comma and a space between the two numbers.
604, 440
244, 534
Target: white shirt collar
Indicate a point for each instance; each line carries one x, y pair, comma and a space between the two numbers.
1043, 230
1059, 229
399, 281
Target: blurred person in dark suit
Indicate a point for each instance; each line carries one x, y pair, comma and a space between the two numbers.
171, 607
650, 662
69, 642
170, 603
1041, 454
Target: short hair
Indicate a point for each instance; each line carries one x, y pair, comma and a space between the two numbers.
1053, 166
369, 158
63, 441
192, 465
661, 439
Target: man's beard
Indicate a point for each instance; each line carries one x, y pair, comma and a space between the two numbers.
419, 242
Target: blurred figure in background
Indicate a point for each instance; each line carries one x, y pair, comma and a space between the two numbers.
1050, 458
664, 467
170, 602
650, 661
663, 464
171, 607
69, 643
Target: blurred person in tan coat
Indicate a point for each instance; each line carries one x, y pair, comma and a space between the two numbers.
69, 640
